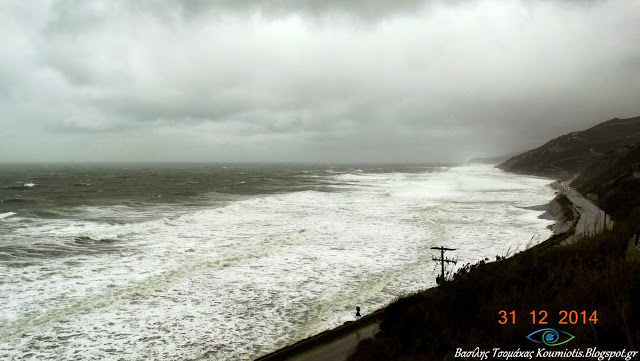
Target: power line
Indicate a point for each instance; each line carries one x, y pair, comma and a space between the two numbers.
442, 261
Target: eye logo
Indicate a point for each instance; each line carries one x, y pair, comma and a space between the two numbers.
549, 337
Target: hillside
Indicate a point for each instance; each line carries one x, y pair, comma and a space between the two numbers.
610, 181
568, 155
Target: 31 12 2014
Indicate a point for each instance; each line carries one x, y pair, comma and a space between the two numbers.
541, 317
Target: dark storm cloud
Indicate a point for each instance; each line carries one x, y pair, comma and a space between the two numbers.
362, 9
366, 9
310, 80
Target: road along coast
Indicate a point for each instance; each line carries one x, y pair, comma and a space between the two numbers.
330, 345
587, 218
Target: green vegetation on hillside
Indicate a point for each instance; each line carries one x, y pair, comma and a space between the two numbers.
592, 274
572, 153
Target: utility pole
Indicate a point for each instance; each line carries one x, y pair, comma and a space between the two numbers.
442, 261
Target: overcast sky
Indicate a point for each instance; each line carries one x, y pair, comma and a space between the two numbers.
309, 80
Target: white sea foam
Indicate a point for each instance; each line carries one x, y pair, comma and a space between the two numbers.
238, 281
6, 215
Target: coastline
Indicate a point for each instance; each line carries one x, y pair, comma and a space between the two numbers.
560, 209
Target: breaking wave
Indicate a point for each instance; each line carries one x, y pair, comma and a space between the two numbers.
247, 274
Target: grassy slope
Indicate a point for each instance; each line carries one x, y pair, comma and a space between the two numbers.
571, 153
592, 274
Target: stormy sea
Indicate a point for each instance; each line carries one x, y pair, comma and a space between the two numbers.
232, 261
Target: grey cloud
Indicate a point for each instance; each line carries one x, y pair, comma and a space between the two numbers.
423, 81
79, 15
369, 10
362, 9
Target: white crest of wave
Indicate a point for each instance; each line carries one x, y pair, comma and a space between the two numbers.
270, 269
6, 215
